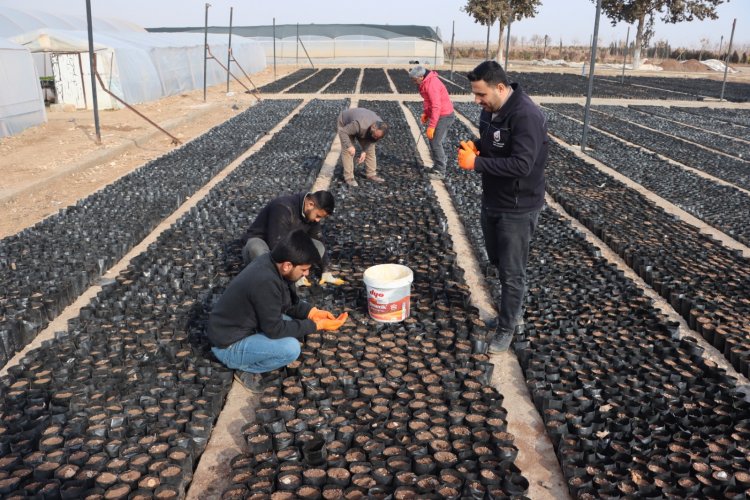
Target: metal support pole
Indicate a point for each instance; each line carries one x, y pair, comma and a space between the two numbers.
229, 50
92, 69
721, 42
726, 60
586, 114
453, 35
274, 49
296, 47
306, 53
625, 56
507, 41
436, 44
205, 51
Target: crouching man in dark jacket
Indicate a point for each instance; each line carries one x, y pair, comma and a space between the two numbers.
256, 325
285, 214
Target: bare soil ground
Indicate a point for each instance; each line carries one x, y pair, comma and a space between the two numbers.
48, 167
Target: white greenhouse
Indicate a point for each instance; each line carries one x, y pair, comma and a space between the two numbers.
134, 64
339, 43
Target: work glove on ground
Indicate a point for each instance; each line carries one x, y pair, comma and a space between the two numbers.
467, 155
331, 324
303, 281
430, 132
423, 118
318, 314
330, 278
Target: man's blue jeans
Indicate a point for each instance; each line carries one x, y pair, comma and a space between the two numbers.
259, 354
436, 144
506, 237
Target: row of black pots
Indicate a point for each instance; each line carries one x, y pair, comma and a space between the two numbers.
345, 83
375, 81
286, 81
690, 275
627, 403
45, 268
687, 151
152, 387
314, 83
388, 405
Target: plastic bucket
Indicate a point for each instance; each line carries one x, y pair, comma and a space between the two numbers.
388, 292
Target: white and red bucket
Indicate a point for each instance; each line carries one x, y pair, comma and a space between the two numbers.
388, 292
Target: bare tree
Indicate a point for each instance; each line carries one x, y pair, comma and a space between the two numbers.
486, 12
643, 12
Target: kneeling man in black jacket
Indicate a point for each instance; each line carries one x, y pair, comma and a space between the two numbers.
285, 214
255, 326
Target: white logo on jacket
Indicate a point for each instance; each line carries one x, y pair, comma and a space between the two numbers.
497, 139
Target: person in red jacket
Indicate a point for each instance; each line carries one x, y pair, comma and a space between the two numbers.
437, 115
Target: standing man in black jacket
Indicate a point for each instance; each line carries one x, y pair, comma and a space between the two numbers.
285, 214
256, 323
510, 154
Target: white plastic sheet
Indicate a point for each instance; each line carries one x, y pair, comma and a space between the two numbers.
21, 98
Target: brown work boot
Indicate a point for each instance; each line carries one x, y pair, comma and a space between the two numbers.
375, 178
352, 183
250, 381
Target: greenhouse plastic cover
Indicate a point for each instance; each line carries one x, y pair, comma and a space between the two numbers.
21, 99
16, 21
141, 66
339, 43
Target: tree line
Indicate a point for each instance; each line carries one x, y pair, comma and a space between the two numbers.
642, 13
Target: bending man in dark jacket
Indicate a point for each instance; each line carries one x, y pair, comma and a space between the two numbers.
256, 324
285, 214
511, 154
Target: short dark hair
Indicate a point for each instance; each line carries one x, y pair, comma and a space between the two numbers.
382, 126
298, 248
324, 201
490, 72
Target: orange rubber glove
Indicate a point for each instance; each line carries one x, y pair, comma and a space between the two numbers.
316, 314
331, 324
430, 133
423, 118
471, 146
466, 157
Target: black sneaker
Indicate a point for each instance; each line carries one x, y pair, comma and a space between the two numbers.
250, 381
501, 341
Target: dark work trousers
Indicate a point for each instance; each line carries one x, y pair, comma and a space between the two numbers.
506, 237
436, 144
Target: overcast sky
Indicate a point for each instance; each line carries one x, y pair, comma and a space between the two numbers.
571, 20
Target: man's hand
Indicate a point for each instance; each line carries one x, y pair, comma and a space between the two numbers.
430, 133
319, 314
331, 324
362, 157
470, 144
423, 118
351, 150
330, 278
467, 156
